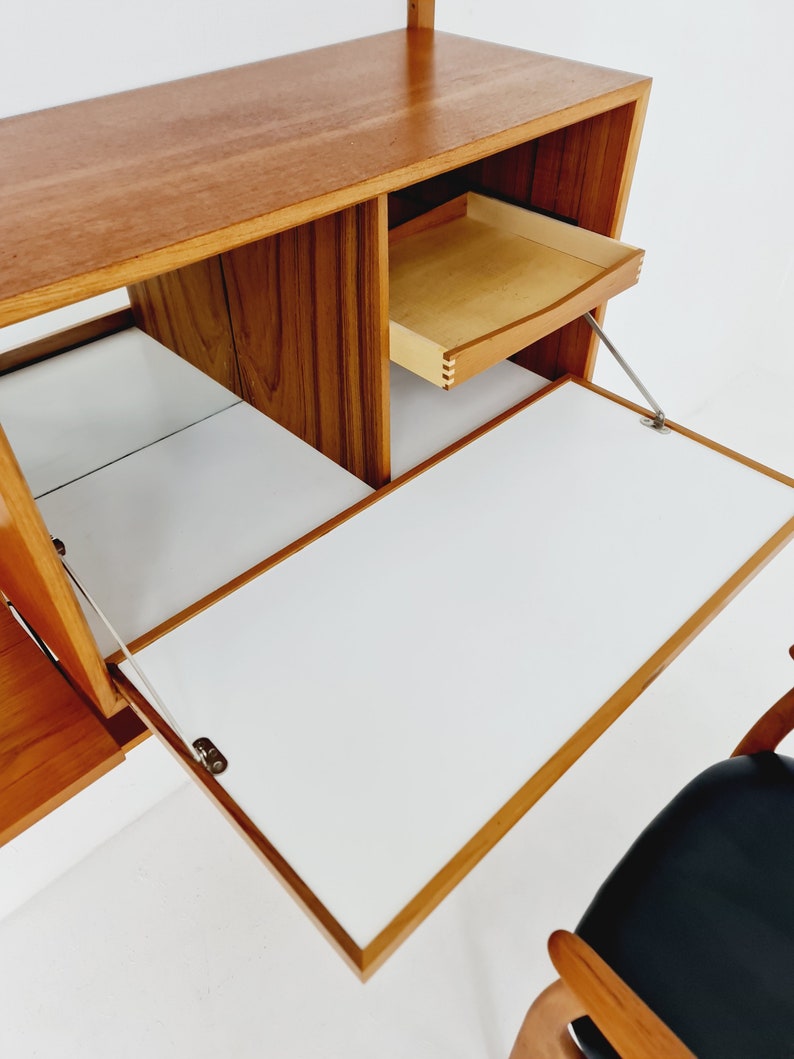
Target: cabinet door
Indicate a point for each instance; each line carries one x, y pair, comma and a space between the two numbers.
394, 696
33, 580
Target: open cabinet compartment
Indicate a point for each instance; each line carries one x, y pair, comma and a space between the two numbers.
476, 280
161, 484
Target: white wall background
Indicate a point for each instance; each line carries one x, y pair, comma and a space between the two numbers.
711, 195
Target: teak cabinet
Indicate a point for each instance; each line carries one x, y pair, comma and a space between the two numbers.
362, 580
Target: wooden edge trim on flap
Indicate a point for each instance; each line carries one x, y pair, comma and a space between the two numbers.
267, 852
732, 454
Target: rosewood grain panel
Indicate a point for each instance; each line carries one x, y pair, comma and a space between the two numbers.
512, 172
309, 318
51, 743
31, 576
186, 311
112, 191
549, 154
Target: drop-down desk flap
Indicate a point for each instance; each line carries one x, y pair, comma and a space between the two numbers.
392, 697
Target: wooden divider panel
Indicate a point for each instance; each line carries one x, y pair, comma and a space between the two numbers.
32, 578
186, 311
297, 324
309, 317
51, 743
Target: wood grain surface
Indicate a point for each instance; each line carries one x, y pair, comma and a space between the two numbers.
486, 284
31, 576
186, 311
111, 191
51, 743
310, 324
581, 172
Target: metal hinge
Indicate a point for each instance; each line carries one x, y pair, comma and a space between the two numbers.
211, 758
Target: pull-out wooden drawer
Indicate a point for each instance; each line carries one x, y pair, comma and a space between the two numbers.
394, 695
476, 280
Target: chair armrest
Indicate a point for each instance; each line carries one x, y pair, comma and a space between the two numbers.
544, 1031
626, 1021
769, 730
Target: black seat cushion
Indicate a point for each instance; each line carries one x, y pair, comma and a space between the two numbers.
698, 917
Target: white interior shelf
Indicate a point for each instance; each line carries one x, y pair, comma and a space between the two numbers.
67, 416
164, 485
426, 419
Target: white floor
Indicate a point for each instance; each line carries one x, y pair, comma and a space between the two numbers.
169, 939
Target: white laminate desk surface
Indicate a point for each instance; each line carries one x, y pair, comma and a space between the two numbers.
71, 414
383, 692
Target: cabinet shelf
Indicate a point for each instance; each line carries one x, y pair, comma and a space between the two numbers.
476, 280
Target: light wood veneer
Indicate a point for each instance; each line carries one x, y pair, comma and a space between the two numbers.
477, 280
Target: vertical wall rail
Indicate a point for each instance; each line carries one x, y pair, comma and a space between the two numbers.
421, 14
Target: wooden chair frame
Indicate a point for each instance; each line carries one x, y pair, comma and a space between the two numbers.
588, 986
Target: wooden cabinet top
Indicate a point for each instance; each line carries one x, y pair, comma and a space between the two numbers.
106, 192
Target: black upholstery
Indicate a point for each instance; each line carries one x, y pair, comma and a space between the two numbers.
698, 917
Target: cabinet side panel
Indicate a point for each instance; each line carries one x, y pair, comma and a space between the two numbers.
32, 578
51, 743
186, 311
310, 326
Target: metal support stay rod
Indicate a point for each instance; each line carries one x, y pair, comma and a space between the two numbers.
658, 423
156, 700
